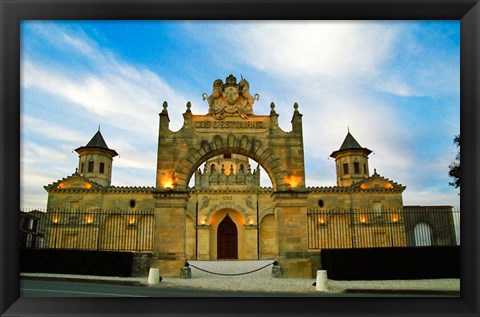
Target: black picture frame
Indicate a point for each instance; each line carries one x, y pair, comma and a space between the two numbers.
13, 11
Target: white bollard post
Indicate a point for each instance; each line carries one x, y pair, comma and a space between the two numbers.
321, 281
153, 276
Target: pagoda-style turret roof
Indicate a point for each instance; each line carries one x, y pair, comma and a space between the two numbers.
97, 142
350, 144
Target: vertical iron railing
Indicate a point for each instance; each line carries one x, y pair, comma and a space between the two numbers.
405, 227
88, 230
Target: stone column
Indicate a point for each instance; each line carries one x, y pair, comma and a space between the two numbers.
251, 242
203, 242
169, 232
291, 219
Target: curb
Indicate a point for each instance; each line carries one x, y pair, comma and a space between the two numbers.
83, 280
403, 292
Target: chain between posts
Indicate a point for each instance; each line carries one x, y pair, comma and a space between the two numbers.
230, 274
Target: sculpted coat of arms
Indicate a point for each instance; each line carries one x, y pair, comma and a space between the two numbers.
230, 98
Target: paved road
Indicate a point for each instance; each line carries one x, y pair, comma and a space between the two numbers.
42, 288
51, 288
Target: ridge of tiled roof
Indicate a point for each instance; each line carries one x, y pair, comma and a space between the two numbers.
130, 188
329, 188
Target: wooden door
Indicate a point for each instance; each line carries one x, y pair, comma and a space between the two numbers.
227, 241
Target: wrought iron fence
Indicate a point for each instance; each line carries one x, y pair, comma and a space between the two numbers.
88, 230
134, 230
409, 226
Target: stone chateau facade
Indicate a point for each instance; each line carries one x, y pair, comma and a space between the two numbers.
226, 214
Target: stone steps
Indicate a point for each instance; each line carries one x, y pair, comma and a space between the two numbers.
231, 267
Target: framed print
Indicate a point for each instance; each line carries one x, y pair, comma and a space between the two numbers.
245, 158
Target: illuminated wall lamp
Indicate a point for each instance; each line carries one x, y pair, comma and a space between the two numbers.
321, 220
395, 218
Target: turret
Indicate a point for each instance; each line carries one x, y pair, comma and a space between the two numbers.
351, 162
95, 160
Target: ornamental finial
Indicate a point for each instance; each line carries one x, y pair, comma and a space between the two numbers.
165, 105
272, 108
295, 106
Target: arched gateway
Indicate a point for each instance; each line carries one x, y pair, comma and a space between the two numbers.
231, 127
175, 222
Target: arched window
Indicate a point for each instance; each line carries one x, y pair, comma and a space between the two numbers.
423, 234
212, 168
356, 167
242, 168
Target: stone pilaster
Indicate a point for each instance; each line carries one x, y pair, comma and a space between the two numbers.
291, 218
169, 236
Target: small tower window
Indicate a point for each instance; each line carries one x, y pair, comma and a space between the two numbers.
82, 166
321, 204
345, 168
242, 168
212, 168
365, 169
356, 167
101, 169
227, 156
90, 167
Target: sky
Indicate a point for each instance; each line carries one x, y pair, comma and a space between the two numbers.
394, 85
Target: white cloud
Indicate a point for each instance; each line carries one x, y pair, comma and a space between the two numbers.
135, 157
398, 87
67, 40
33, 153
305, 48
50, 130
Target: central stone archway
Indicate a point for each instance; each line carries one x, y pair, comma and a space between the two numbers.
260, 138
230, 127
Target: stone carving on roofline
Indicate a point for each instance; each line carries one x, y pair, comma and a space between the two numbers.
230, 98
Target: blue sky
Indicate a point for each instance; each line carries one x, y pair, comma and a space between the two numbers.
395, 85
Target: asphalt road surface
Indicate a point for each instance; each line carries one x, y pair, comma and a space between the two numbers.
45, 288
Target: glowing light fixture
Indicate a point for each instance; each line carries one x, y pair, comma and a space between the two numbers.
321, 219
55, 219
292, 181
362, 218
131, 220
168, 182
395, 217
